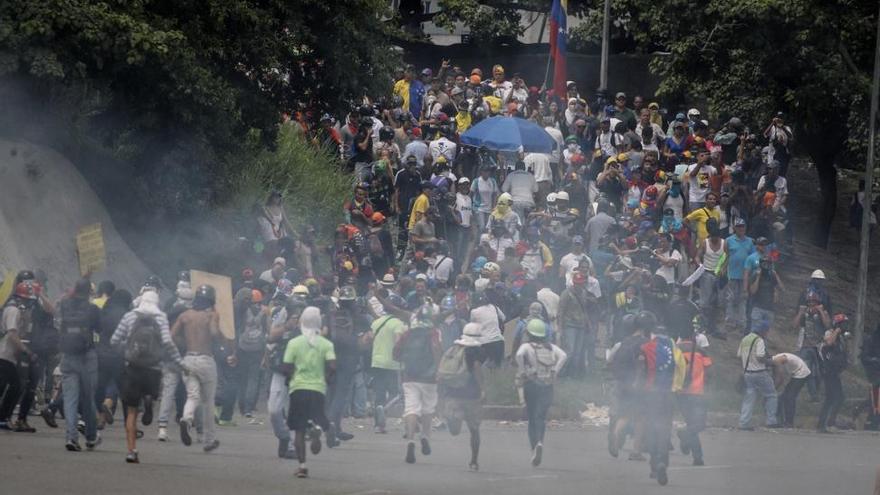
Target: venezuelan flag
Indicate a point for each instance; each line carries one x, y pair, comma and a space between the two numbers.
558, 35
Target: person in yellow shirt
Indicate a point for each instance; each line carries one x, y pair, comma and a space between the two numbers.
699, 217
421, 205
401, 88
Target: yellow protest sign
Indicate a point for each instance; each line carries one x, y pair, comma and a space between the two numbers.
223, 305
90, 248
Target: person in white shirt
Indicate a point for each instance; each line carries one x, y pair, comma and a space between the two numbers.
779, 183
443, 147
657, 137
573, 260
518, 93
572, 148
550, 300
699, 180
608, 140
668, 257
550, 126
790, 371
490, 319
442, 266
539, 164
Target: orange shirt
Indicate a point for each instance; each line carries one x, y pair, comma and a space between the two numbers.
697, 370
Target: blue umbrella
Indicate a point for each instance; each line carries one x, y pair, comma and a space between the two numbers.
509, 134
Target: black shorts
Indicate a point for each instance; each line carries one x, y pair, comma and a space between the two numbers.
306, 406
494, 353
136, 383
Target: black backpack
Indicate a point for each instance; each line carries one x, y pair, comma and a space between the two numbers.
417, 356
144, 346
77, 325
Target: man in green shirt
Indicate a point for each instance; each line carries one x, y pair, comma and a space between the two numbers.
386, 331
310, 359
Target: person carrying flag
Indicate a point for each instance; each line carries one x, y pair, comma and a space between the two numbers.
664, 373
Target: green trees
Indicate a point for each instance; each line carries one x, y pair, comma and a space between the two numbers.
142, 70
809, 58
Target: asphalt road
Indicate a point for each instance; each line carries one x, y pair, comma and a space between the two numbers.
741, 463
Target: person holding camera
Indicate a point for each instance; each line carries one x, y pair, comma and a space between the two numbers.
780, 136
611, 182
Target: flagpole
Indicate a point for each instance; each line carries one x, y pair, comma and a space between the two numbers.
549, 53
606, 32
862, 280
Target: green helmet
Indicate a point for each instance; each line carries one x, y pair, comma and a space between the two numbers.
536, 328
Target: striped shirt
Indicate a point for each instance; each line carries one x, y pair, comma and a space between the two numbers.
126, 325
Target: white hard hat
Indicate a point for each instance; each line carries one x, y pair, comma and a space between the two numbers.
562, 196
693, 111
551, 198
818, 274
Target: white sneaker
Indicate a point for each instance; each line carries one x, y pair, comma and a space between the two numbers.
163, 434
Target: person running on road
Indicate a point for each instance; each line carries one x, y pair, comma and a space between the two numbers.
538, 363
80, 320
310, 360
691, 399
145, 339
462, 387
418, 350
199, 328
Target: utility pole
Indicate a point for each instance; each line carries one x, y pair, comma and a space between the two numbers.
606, 35
866, 205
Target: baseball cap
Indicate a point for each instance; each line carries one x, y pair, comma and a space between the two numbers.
739, 222
762, 241
280, 261
620, 94
427, 72
577, 239
464, 180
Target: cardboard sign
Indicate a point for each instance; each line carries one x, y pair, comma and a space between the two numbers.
90, 248
223, 288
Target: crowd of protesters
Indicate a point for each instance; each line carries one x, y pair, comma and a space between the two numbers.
643, 234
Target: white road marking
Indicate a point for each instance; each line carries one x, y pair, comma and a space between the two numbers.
698, 468
518, 478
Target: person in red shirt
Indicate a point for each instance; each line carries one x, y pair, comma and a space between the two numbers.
691, 399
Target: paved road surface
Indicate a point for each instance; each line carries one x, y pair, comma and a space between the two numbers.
740, 463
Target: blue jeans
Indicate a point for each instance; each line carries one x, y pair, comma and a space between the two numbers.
736, 305
79, 379
758, 382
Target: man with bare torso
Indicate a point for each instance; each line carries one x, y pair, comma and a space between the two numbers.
197, 329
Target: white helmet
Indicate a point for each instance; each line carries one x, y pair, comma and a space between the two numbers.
818, 274
693, 112
562, 196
